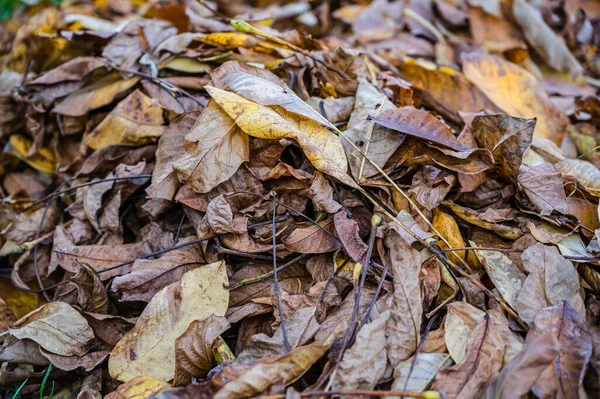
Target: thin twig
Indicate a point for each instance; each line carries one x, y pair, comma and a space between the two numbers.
226, 251
56, 193
179, 227
289, 208
286, 342
267, 275
146, 256
511, 250
429, 394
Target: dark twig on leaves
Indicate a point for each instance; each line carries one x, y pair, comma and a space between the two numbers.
286, 342
265, 276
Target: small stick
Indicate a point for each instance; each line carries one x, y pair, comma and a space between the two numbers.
265, 276
286, 342
424, 395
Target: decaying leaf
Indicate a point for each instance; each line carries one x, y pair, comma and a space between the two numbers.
404, 326
482, 362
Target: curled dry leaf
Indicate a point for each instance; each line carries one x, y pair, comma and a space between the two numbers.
148, 348
321, 147
193, 349
271, 370
418, 123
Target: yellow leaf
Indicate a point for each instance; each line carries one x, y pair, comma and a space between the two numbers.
148, 349
18, 301
516, 92
188, 65
448, 228
44, 160
230, 39
323, 148
139, 388
133, 121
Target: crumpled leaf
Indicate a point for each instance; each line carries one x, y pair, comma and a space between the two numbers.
148, 348
507, 137
56, 327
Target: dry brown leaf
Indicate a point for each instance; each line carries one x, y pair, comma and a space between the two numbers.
149, 276
215, 146
349, 234
543, 39
544, 187
460, 321
170, 148
138, 388
364, 364
416, 375
193, 349
56, 327
271, 370
574, 338
518, 376
483, 361
377, 142
404, 326
445, 90
313, 239
94, 96
420, 124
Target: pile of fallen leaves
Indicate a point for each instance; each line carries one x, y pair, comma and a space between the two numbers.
300, 199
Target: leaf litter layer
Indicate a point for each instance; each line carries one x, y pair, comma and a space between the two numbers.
300, 199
